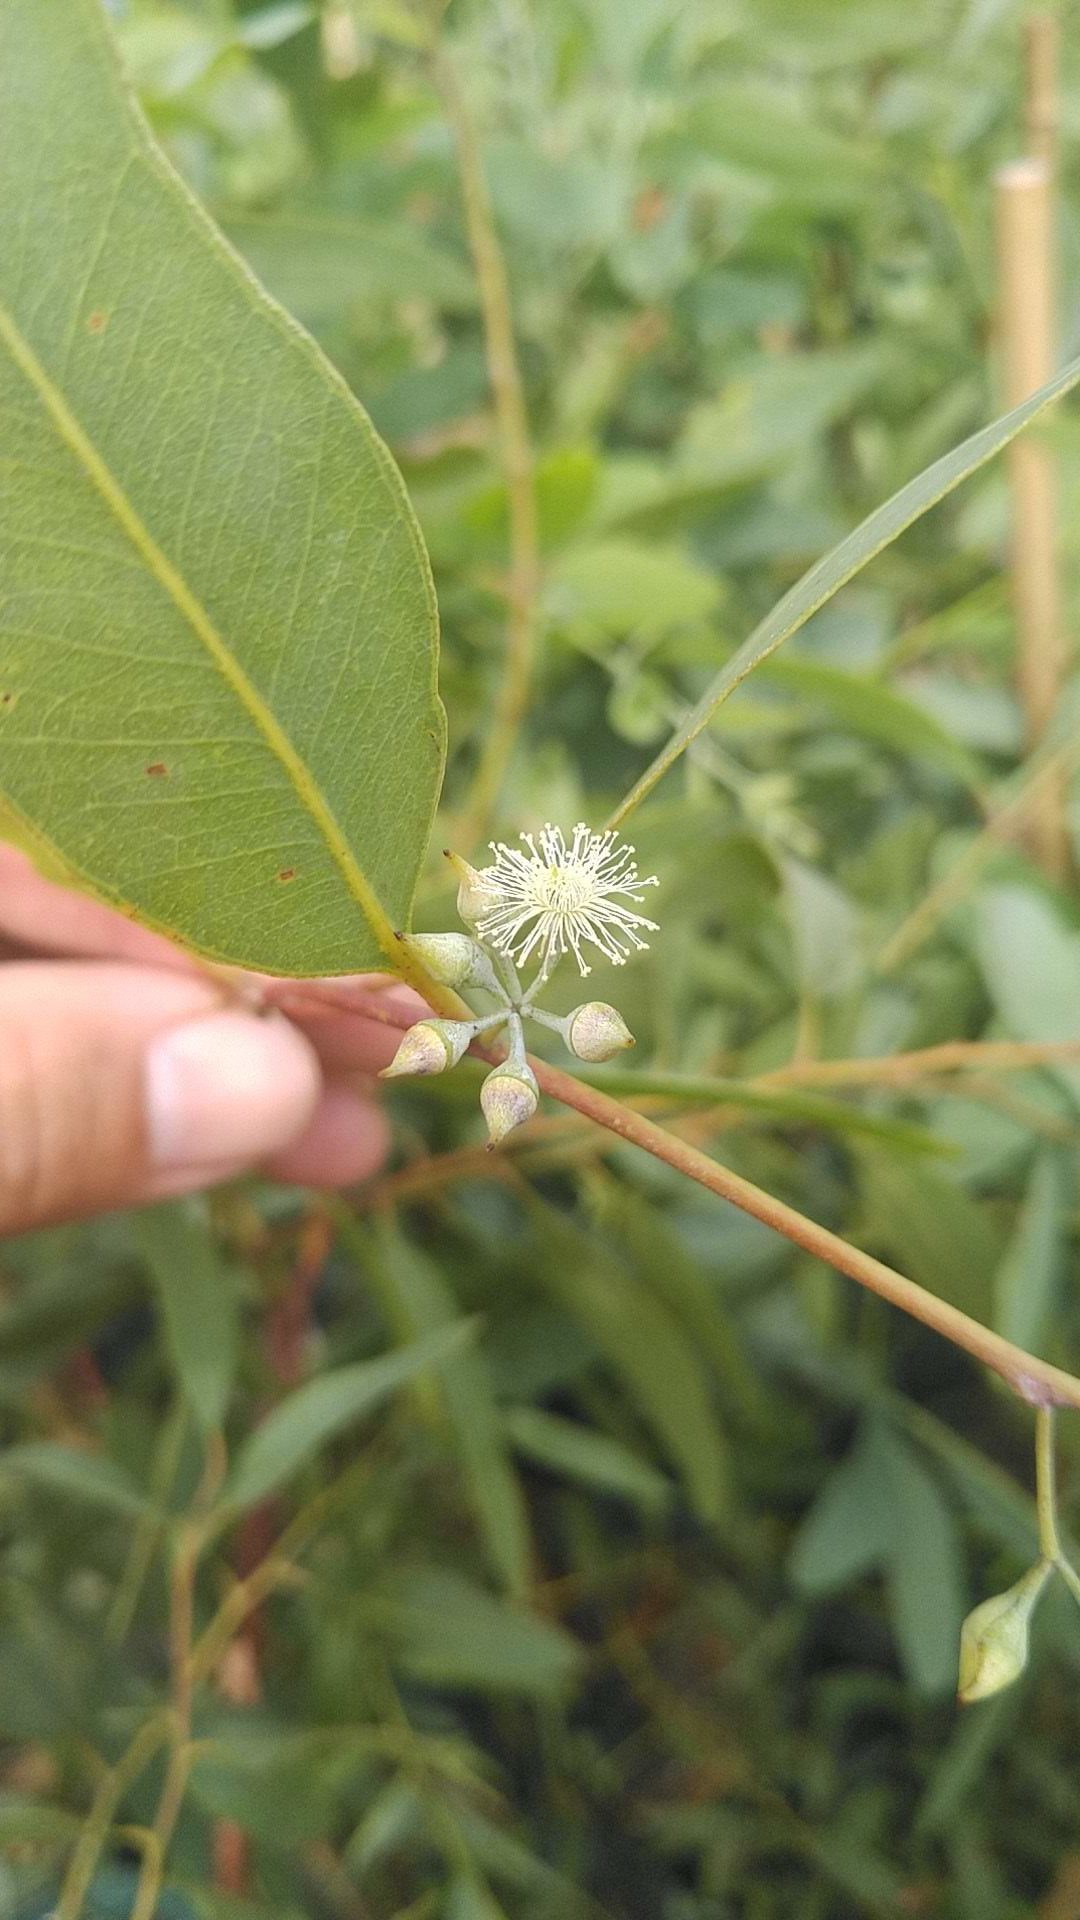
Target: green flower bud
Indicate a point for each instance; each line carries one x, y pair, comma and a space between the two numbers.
475, 898
994, 1637
596, 1031
455, 959
429, 1047
509, 1096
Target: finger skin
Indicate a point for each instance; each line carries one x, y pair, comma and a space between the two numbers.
346, 1141
89, 1123
39, 917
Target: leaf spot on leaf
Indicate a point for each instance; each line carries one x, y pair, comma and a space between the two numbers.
287, 873
97, 321
157, 770
8, 700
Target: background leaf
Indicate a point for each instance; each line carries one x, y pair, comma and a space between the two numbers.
314, 1413
452, 1634
199, 1302
89, 1479
835, 569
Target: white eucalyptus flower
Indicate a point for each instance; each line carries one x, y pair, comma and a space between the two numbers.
552, 898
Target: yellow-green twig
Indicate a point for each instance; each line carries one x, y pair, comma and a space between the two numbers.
508, 396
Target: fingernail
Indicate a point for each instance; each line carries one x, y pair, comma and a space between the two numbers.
227, 1088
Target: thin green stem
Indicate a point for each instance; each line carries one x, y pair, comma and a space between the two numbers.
1046, 1486
149, 1529
191, 1538
111, 1789
1070, 1576
1032, 1379
553, 1020
508, 396
1046, 1502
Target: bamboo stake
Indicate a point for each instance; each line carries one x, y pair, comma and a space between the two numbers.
1026, 294
1042, 49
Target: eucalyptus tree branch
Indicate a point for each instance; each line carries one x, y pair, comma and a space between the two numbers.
508, 395
1033, 1380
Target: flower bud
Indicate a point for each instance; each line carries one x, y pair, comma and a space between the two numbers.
994, 1637
455, 959
429, 1047
596, 1031
475, 898
508, 1097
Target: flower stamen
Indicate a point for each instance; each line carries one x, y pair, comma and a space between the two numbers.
553, 898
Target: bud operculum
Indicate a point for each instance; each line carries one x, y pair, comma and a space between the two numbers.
455, 959
509, 1097
597, 1032
429, 1047
475, 899
994, 1637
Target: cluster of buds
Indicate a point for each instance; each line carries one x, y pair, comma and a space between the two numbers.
544, 902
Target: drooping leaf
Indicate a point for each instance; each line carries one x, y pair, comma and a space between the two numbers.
835, 569
89, 1479
284, 1786
925, 1578
620, 586
72, 1297
873, 709
317, 1411
1026, 1283
593, 1459
935, 1230
644, 1343
199, 1303
423, 1304
448, 1632
846, 1531
216, 598
470, 1899
1031, 962
31, 1820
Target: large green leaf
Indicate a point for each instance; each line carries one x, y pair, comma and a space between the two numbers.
217, 607
836, 568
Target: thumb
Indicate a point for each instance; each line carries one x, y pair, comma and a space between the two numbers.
123, 1084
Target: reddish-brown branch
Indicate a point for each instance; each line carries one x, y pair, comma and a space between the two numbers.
1034, 1380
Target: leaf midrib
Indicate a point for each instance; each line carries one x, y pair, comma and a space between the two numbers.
168, 577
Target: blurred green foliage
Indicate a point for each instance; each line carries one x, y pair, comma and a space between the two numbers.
639, 1594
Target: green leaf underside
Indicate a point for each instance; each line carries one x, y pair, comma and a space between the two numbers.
217, 632
841, 564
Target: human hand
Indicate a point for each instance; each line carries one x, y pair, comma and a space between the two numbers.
127, 1074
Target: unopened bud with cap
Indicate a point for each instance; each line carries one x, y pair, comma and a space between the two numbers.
994, 1637
509, 1096
454, 958
429, 1047
475, 899
596, 1031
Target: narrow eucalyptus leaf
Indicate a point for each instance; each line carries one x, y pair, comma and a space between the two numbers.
199, 1304
89, 1479
836, 568
218, 635
317, 1411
